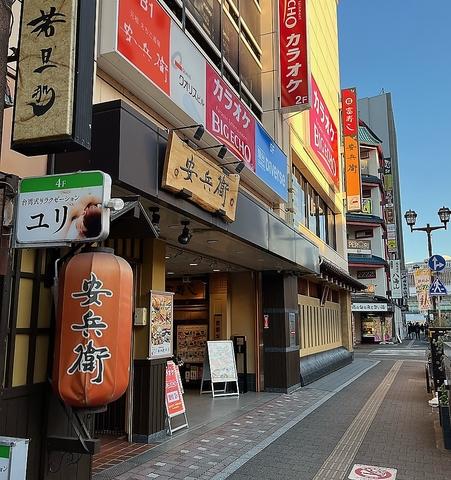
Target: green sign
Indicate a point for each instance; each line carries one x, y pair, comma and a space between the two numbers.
5, 451
61, 182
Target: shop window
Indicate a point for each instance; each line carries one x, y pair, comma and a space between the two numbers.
363, 234
314, 290
250, 72
302, 287
313, 223
207, 14
335, 296
331, 229
322, 219
230, 42
366, 193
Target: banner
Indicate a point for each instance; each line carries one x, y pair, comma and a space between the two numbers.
323, 135
422, 284
353, 178
395, 278
175, 404
161, 324
293, 54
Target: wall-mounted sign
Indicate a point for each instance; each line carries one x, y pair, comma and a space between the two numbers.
53, 100
61, 209
323, 135
351, 150
207, 184
366, 274
359, 246
389, 215
161, 324
369, 307
271, 163
229, 120
395, 278
293, 54
367, 206
392, 245
94, 328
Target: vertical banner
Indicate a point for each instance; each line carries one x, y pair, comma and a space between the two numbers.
353, 180
323, 135
395, 278
293, 54
422, 285
161, 324
53, 99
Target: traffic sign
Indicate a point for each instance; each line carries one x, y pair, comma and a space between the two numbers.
437, 263
437, 288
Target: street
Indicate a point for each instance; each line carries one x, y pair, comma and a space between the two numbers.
373, 412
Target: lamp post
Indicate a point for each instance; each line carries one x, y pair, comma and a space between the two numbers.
444, 214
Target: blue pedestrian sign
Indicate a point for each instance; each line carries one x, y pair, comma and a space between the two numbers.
437, 288
437, 263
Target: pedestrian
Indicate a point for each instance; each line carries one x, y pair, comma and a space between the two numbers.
426, 330
417, 331
409, 330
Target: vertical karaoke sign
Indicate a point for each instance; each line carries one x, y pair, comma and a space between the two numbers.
353, 179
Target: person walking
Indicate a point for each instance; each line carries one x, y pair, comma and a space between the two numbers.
417, 331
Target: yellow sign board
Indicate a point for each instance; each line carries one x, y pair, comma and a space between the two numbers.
203, 182
44, 101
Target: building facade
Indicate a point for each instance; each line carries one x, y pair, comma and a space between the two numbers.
272, 270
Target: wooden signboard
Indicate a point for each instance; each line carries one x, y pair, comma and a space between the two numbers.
201, 180
220, 367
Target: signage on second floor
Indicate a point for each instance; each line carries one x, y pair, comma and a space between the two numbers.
362, 247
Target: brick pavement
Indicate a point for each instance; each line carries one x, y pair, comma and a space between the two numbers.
221, 450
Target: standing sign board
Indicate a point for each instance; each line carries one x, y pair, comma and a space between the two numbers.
293, 54
53, 101
220, 367
57, 210
175, 404
161, 324
13, 458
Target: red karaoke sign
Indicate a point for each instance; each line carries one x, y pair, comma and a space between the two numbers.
144, 39
229, 120
293, 53
349, 111
323, 134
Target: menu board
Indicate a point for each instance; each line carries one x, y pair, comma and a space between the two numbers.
222, 361
161, 324
191, 341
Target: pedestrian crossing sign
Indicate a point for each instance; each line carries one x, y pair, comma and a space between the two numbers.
437, 288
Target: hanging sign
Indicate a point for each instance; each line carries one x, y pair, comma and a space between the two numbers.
58, 210
204, 182
94, 327
323, 135
351, 150
395, 278
293, 54
422, 278
53, 100
161, 324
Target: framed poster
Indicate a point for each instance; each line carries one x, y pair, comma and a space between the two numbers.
191, 342
161, 324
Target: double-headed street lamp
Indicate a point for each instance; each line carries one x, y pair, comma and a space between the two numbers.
444, 214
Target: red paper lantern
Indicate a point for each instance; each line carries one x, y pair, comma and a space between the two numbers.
94, 327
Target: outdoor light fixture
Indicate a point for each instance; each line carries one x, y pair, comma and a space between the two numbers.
222, 151
411, 218
239, 165
185, 237
444, 214
155, 218
198, 134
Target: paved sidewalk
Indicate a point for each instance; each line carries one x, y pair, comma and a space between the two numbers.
223, 449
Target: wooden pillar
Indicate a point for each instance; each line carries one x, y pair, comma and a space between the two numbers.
281, 347
346, 320
149, 375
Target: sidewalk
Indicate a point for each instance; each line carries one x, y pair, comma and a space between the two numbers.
216, 451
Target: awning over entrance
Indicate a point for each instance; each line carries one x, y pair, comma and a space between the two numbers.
335, 276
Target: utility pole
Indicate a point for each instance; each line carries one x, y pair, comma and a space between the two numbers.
5, 26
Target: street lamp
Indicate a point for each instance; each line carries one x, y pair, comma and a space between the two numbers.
444, 214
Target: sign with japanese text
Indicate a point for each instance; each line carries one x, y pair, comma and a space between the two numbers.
392, 245
46, 100
161, 324
63, 209
221, 358
229, 120
422, 277
93, 339
389, 214
369, 307
207, 184
144, 39
188, 76
367, 206
323, 135
293, 54
395, 278
359, 246
175, 404
271, 163
353, 178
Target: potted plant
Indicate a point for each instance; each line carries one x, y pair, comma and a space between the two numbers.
445, 421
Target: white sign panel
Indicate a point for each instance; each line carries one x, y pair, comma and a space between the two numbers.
369, 307
62, 209
222, 361
372, 472
188, 74
395, 278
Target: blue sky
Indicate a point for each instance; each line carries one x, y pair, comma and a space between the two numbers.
404, 47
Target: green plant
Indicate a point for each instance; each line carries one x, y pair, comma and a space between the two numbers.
443, 395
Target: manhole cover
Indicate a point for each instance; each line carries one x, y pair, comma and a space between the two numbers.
372, 472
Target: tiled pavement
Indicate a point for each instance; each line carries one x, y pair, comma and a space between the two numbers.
220, 451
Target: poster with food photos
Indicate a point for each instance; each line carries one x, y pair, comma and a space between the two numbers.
161, 324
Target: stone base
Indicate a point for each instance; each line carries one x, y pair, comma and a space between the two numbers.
318, 365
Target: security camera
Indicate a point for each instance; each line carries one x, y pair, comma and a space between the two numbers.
185, 237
